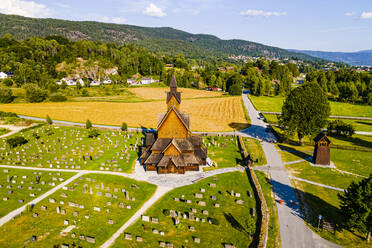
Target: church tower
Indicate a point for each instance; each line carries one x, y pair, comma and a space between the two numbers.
173, 96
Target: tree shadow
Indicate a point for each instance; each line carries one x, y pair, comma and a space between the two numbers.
295, 152
239, 126
354, 140
365, 123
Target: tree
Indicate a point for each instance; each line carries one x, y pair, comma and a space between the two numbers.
235, 90
16, 141
124, 127
356, 206
48, 120
305, 110
34, 93
5, 95
8, 82
88, 124
57, 97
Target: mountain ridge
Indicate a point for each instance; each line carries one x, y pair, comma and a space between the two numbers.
166, 40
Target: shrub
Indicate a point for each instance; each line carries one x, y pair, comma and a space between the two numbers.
7, 114
8, 82
34, 93
88, 124
5, 95
166, 212
57, 97
84, 92
341, 128
48, 120
93, 133
124, 126
235, 90
16, 141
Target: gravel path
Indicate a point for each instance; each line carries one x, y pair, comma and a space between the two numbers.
317, 184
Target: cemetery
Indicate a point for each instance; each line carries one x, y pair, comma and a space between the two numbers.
219, 211
59, 147
17, 186
85, 213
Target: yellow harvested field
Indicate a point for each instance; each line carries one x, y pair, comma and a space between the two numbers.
159, 93
214, 114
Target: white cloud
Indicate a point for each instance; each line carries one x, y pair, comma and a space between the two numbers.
252, 12
24, 8
118, 20
349, 13
366, 15
153, 10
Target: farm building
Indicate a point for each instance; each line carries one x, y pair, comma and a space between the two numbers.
322, 149
173, 148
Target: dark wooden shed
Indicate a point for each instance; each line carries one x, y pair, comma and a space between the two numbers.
322, 154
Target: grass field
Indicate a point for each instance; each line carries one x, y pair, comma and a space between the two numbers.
317, 200
160, 93
232, 224
107, 193
223, 150
4, 131
70, 148
212, 114
274, 104
254, 149
23, 186
274, 232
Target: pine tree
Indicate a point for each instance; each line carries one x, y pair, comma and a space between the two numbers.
88, 124
48, 120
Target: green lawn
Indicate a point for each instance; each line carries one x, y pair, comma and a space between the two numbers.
23, 186
357, 162
318, 200
327, 176
70, 148
231, 219
254, 148
4, 131
88, 222
223, 150
274, 232
275, 103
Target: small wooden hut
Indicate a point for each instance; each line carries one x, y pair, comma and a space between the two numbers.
322, 153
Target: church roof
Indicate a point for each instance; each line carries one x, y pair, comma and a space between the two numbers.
173, 90
321, 136
150, 139
185, 119
154, 158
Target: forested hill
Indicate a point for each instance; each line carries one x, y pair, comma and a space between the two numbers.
351, 58
163, 40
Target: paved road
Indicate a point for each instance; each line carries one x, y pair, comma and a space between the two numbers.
293, 230
18, 211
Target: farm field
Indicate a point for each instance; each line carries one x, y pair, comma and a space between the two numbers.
17, 186
315, 200
212, 114
223, 150
275, 104
254, 149
85, 213
159, 93
197, 225
71, 148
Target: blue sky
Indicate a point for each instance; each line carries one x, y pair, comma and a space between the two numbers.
328, 25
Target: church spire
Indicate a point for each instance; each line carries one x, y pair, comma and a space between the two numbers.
173, 84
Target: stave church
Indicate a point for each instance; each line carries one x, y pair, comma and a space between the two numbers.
173, 148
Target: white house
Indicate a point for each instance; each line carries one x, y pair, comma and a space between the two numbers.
106, 81
132, 82
3, 75
146, 80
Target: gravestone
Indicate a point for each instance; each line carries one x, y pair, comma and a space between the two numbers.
145, 218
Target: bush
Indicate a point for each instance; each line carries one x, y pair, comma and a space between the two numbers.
166, 212
48, 120
124, 126
57, 97
34, 93
84, 92
5, 95
235, 90
8, 82
88, 124
93, 133
7, 114
16, 141
341, 128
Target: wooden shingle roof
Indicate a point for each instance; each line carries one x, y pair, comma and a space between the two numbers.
322, 136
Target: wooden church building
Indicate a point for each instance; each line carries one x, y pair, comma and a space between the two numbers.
173, 148
322, 154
